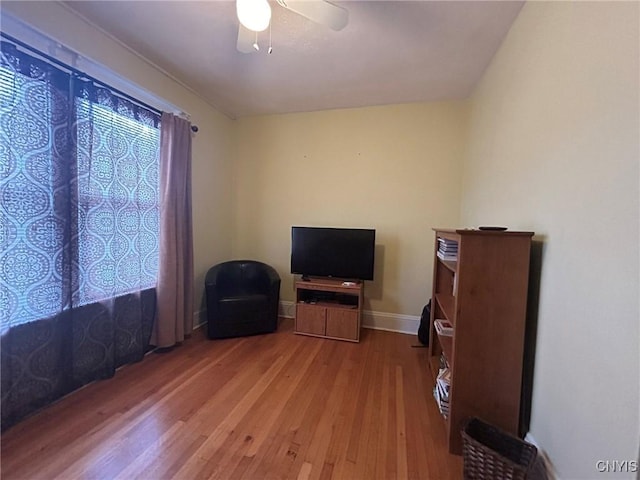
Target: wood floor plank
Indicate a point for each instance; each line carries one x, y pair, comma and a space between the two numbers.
277, 406
401, 430
263, 418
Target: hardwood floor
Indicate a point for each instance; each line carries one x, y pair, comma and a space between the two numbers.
264, 407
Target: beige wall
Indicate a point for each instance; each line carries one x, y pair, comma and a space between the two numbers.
213, 147
393, 168
554, 148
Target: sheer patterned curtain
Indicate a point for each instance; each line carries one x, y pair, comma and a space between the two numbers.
36, 189
175, 280
79, 221
116, 180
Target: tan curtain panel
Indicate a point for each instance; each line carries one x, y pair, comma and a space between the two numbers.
174, 318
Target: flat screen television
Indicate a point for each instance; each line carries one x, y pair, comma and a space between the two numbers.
333, 252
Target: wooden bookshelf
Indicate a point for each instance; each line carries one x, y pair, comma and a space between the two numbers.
483, 294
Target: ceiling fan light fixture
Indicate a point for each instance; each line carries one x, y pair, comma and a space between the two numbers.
254, 14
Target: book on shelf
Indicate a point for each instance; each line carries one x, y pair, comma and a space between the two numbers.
444, 379
450, 257
444, 374
443, 327
441, 389
444, 383
443, 363
447, 249
443, 405
447, 243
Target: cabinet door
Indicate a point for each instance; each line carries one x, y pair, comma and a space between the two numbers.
310, 319
342, 323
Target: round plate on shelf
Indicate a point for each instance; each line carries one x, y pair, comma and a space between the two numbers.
491, 228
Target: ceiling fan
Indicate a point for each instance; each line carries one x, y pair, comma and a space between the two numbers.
255, 15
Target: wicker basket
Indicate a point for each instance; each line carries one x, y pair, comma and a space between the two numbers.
489, 453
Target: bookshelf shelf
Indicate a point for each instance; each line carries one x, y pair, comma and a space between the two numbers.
484, 296
450, 264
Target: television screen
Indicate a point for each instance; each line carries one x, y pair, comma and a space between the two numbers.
333, 252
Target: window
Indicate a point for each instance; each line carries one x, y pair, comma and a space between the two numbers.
117, 203
79, 212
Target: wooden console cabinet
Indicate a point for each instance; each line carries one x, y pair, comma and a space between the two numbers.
482, 292
327, 308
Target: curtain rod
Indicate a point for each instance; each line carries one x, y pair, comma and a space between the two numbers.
80, 73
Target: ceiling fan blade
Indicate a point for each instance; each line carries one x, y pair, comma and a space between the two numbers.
319, 11
246, 38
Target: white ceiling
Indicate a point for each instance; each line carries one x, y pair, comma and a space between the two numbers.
390, 52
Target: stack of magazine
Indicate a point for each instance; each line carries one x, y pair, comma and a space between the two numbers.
447, 249
443, 327
441, 390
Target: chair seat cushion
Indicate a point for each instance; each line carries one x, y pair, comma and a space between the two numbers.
245, 309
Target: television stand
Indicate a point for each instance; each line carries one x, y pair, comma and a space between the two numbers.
326, 308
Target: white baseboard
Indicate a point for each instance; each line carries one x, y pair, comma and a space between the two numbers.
392, 322
550, 470
287, 309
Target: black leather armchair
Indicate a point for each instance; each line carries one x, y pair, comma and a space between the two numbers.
242, 298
